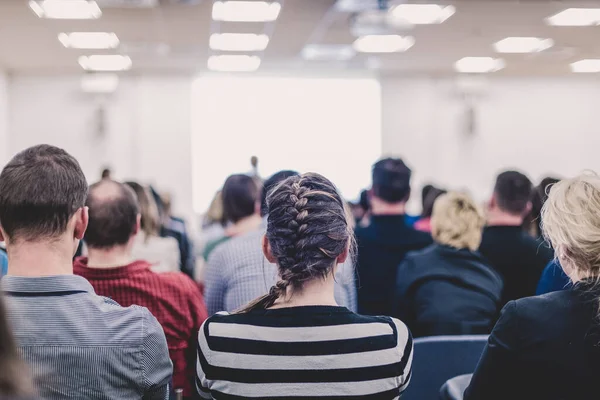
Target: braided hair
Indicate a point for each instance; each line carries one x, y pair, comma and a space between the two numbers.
307, 230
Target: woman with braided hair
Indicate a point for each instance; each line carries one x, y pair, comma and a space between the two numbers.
295, 341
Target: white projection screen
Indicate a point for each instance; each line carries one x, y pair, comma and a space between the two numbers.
327, 125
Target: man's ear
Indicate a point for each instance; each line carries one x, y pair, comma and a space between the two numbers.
2, 235
266, 247
81, 222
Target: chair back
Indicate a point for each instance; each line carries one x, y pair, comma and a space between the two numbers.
439, 358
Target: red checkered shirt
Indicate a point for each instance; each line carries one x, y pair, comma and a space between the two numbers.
172, 297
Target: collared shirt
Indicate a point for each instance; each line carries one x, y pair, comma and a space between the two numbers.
237, 273
173, 298
83, 346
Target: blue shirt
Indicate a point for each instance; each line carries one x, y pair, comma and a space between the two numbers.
83, 346
553, 279
3, 264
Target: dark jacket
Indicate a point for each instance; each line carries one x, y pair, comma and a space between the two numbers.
553, 279
445, 291
381, 248
545, 347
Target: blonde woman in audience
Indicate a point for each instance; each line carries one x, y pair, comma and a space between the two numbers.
295, 341
548, 347
161, 252
448, 288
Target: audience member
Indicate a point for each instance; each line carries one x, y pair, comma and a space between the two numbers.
516, 256
547, 347
173, 298
424, 223
15, 379
84, 346
238, 271
384, 243
539, 195
161, 252
3, 263
106, 173
553, 278
241, 209
448, 288
295, 340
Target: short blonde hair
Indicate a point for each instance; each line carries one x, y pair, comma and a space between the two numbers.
457, 221
571, 223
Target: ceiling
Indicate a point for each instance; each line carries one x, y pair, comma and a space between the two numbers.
173, 38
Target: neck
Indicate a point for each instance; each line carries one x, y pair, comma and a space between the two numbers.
245, 225
114, 257
381, 207
502, 218
36, 259
316, 292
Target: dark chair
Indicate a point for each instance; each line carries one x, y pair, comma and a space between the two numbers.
439, 358
454, 388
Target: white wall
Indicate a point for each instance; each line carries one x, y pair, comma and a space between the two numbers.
541, 126
142, 131
4, 112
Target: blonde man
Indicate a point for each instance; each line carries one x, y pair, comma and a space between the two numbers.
448, 288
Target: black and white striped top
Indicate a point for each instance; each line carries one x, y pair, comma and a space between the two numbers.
315, 352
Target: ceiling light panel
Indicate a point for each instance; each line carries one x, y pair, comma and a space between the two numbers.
89, 40
479, 65
105, 62
590, 65
233, 63
575, 17
422, 14
238, 41
66, 9
383, 43
328, 52
517, 44
245, 11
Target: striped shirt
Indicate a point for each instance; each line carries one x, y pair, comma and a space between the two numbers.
313, 352
83, 346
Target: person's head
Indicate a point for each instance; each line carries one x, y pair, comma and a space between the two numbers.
15, 380
42, 199
114, 215
432, 195
106, 173
512, 194
254, 161
240, 197
271, 183
308, 234
150, 218
424, 192
571, 223
391, 183
214, 214
539, 195
457, 221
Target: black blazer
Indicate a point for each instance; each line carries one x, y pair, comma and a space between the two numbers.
441, 290
545, 347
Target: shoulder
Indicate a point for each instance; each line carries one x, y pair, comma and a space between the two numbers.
239, 247
176, 281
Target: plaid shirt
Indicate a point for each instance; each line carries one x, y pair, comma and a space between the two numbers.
172, 297
237, 272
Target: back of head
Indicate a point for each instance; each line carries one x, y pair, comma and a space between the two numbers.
457, 221
307, 231
432, 195
41, 188
270, 184
513, 192
424, 192
150, 220
240, 195
106, 173
113, 211
571, 223
391, 180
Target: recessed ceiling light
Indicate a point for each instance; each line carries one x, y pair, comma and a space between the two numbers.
328, 52
383, 43
478, 65
245, 11
238, 41
99, 83
89, 40
523, 45
105, 62
588, 65
233, 63
575, 17
66, 9
422, 14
